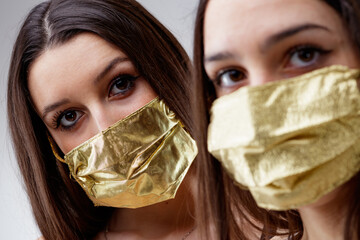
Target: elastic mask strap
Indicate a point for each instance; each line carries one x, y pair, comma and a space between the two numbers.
53, 148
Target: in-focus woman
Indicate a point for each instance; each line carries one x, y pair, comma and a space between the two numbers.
285, 125
98, 106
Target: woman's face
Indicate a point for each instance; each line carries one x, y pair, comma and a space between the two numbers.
84, 86
258, 41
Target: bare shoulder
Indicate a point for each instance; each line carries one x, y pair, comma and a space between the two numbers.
41, 238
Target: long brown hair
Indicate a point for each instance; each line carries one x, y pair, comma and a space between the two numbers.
61, 208
239, 203
349, 11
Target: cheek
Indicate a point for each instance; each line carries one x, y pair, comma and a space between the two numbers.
348, 54
144, 93
350, 58
224, 91
66, 141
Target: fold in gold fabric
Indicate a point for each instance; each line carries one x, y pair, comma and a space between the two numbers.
292, 141
139, 161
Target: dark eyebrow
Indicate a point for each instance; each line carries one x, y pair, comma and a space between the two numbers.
109, 67
53, 106
219, 56
288, 33
269, 42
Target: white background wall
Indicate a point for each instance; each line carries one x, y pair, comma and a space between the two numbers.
16, 221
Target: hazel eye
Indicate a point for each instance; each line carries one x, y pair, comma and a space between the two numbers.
69, 118
122, 85
230, 78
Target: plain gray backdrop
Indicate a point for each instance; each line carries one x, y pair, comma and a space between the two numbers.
16, 220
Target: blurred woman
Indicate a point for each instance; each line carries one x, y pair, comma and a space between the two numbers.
292, 143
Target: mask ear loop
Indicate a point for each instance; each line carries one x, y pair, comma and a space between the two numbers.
53, 148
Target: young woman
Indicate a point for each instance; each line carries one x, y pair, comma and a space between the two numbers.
87, 77
293, 143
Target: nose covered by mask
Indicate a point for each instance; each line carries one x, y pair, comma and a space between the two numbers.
290, 142
139, 161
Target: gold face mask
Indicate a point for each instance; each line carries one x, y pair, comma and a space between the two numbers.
139, 161
290, 142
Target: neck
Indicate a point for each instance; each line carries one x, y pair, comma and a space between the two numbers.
158, 221
325, 219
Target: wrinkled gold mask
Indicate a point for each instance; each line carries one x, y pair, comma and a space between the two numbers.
139, 161
290, 142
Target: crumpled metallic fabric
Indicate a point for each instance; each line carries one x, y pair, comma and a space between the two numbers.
139, 161
292, 141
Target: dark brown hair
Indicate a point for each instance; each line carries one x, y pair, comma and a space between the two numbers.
349, 11
239, 203
61, 208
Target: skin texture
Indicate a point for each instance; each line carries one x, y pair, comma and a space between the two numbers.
69, 74
259, 41
238, 38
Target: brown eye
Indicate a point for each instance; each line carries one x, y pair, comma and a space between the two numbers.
230, 78
69, 118
122, 85
306, 55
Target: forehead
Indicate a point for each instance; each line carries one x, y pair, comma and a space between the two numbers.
231, 20
69, 65
83, 52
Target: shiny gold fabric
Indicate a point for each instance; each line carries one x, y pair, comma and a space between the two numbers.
139, 161
292, 141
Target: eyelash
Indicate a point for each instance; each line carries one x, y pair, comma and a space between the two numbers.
58, 116
130, 84
217, 79
312, 48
